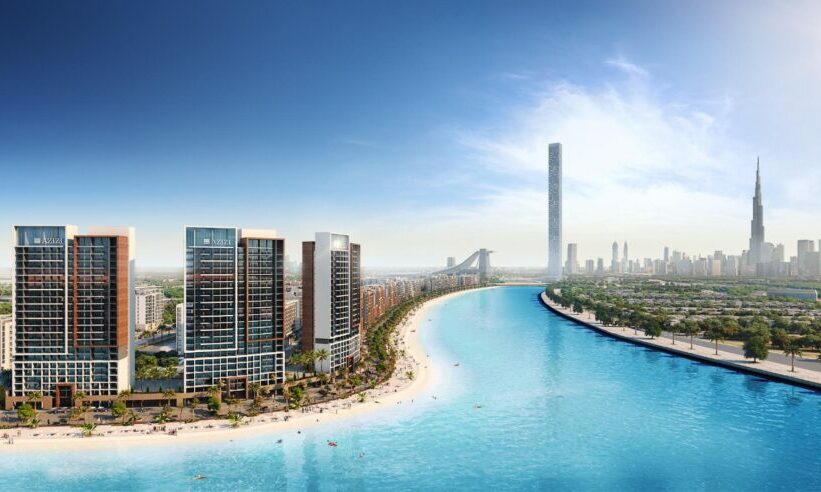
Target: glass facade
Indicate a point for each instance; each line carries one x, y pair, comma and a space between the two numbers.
70, 312
234, 303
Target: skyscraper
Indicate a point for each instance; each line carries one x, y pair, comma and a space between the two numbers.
666, 255
757, 224
572, 263
554, 207
73, 312
614, 262
234, 302
331, 300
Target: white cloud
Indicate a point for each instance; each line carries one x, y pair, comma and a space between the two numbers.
627, 67
637, 168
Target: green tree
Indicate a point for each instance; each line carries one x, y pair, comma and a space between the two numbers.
792, 348
26, 413
235, 419
88, 429
214, 404
651, 327
780, 338
118, 409
321, 355
715, 333
755, 348
690, 329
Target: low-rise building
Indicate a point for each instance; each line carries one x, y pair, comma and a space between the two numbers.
6, 342
803, 294
148, 305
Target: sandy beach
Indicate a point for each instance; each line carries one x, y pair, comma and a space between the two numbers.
397, 390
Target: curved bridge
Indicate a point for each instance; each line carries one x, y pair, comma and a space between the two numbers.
481, 260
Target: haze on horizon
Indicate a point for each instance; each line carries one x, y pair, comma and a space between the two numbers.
419, 128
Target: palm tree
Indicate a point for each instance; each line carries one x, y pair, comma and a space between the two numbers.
235, 419
320, 355
255, 388
88, 429
163, 416
26, 413
791, 349
192, 405
169, 395
118, 409
34, 396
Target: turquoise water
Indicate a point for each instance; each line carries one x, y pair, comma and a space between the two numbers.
561, 408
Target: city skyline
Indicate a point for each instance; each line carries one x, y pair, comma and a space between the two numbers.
458, 154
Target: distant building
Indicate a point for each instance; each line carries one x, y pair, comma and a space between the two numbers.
757, 223
805, 260
451, 261
554, 209
600, 265
572, 264
803, 294
666, 254
589, 267
331, 301
778, 254
715, 268
6, 342
290, 317
614, 262
179, 326
149, 303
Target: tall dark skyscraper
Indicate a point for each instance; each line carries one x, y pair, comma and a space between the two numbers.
757, 224
554, 211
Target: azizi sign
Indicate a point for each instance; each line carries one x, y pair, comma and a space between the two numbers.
49, 240
216, 242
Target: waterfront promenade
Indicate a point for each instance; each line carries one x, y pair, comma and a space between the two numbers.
398, 390
727, 356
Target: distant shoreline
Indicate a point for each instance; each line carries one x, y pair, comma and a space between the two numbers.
770, 370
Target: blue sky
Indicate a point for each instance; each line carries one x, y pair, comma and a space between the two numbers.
419, 127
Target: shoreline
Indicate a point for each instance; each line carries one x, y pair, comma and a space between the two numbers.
772, 371
386, 395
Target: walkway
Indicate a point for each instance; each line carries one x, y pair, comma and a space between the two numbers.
728, 356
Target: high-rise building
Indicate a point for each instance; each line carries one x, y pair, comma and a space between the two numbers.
757, 224
600, 265
589, 266
554, 207
666, 254
331, 299
73, 309
451, 261
804, 247
234, 306
614, 262
572, 263
778, 254
149, 302
625, 262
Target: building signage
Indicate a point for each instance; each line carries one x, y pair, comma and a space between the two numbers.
216, 242
49, 240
